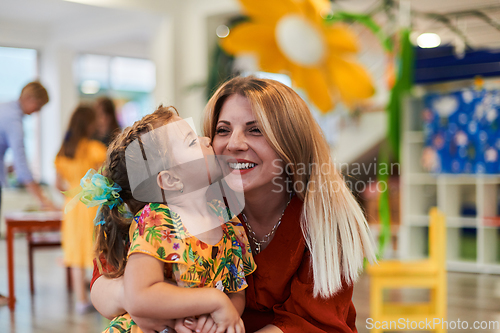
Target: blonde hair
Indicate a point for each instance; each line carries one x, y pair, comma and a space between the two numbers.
333, 223
37, 91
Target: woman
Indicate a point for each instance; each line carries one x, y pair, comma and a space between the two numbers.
308, 233
78, 153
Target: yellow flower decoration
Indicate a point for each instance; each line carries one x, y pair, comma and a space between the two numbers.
291, 36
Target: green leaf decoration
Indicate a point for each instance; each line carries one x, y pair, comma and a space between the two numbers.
184, 256
222, 265
225, 215
161, 252
179, 228
230, 230
248, 265
191, 253
213, 205
136, 234
116, 324
238, 253
134, 247
152, 234
165, 212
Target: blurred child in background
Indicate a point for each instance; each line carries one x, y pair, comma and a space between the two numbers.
107, 124
78, 153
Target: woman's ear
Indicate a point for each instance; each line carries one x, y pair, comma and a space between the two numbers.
169, 182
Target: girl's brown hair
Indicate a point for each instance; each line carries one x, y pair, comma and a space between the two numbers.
112, 236
80, 127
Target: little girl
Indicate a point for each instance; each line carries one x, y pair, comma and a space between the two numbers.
191, 242
78, 153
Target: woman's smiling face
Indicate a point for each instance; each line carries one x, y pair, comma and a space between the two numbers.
252, 161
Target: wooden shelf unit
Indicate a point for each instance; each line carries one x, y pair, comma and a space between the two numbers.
473, 240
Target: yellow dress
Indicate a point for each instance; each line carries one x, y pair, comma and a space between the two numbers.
78, 227
158, 231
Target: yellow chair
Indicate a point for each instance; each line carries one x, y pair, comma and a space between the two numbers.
427, 273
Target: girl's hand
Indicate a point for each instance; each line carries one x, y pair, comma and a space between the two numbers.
227, 318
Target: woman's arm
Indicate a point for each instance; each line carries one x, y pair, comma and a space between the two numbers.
269, 329
107, 296
238, 300
108, 299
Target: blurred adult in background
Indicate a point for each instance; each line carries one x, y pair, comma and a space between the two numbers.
107, 124
33, 97
77, 155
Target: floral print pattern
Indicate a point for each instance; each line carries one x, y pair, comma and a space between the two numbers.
159, 232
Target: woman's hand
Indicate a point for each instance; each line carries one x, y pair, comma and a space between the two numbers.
151, 325
206, 324
185, 325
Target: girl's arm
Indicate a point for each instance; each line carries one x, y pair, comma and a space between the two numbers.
146, 295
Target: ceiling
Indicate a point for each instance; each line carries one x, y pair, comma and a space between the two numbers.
467, 17
83, 27
63, 17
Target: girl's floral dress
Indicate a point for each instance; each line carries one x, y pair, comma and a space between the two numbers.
159, 232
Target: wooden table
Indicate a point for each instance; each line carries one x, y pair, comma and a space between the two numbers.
27, 222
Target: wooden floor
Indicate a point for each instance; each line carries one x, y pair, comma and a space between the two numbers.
471, 298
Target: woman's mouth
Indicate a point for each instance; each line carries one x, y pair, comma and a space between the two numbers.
242, 167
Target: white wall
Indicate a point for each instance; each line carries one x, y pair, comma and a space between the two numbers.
59, 39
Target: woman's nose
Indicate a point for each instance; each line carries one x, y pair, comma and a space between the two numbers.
237, 141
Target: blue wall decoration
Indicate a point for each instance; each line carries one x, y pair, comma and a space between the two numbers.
461, 131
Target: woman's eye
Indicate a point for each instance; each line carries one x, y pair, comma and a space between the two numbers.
221, 130
255, 130
192, 143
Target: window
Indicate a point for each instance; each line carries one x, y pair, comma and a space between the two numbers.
128, 81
